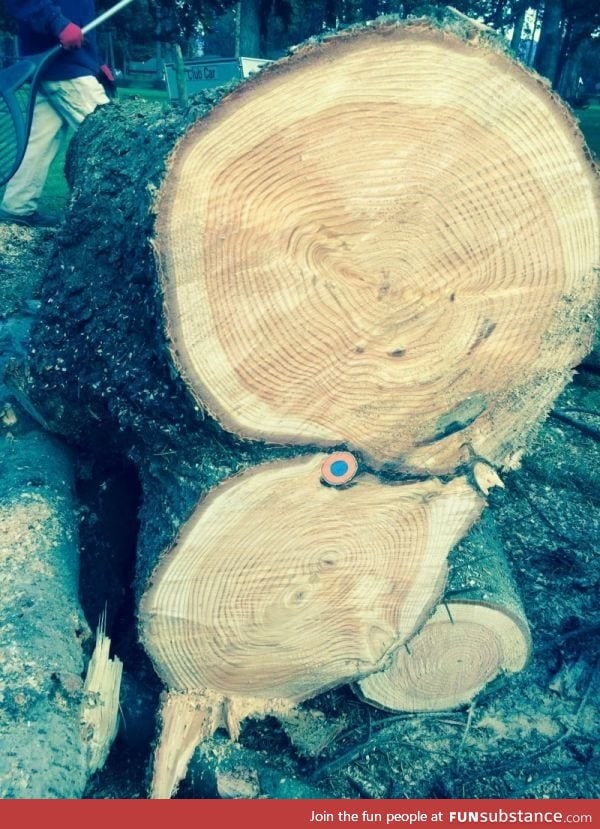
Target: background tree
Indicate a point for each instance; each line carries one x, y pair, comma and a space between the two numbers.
152, 27
566, 31
564, 51
551, 35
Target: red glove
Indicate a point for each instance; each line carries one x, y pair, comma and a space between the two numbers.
71, 37
107, 79
108, 75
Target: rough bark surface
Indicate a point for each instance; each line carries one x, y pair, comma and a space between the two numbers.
42, 628
100, 370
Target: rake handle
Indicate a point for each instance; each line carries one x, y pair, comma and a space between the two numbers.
105, 15
56, 50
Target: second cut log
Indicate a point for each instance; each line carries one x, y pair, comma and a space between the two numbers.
476, 634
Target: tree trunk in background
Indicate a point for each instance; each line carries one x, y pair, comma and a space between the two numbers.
569, 67
248, 29
317, 327
370, 9
158, 54
497, 18
180, 77
332, 12
551, 36
518, 24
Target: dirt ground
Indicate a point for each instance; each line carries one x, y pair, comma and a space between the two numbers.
532, 735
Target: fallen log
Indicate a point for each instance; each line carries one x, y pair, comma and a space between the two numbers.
59, 705
43, 632
478, 633
382, 245
341, 227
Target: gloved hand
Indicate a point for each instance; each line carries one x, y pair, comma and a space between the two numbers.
108, 75
71, 37
107, 79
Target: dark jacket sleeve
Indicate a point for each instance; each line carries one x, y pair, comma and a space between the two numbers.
42, 16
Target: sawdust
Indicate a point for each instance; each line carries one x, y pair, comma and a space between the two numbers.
27, 528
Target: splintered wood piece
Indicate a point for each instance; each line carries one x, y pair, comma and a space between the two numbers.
478, 633
486, 477
280, 587
386, 240
100, 706
185, 720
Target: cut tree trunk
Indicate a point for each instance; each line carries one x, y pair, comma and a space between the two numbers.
476, 634
231, 613
383, 245
370, 247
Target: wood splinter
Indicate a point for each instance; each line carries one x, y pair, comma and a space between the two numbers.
100, 707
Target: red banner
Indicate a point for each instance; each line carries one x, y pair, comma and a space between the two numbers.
302, 814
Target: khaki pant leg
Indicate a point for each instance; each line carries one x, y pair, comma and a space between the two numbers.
25, 187
60, 104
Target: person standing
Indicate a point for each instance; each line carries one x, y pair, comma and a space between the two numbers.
72, 87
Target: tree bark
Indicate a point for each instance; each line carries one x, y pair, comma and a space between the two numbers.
43, 751
227, 770
322, 264
476, 634
248, 29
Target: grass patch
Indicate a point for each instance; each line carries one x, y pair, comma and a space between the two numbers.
589, 121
